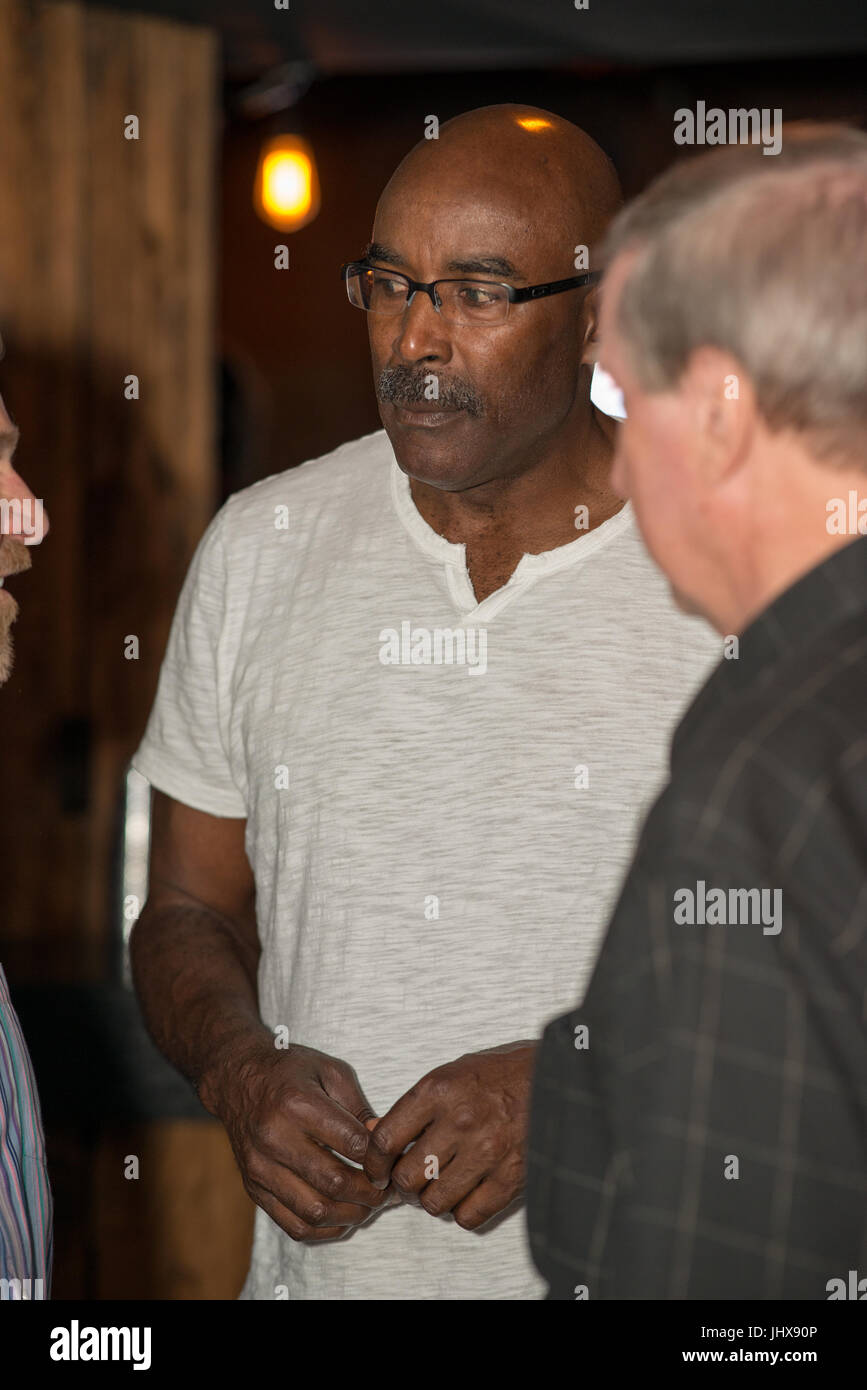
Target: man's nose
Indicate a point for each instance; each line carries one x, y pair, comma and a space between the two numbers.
23, 516
422, 332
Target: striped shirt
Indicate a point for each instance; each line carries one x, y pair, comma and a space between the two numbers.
26, 1212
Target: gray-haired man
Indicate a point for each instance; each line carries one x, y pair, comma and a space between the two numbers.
699, 1124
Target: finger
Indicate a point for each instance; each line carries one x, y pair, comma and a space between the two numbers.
487, 1200
306, 1204
286, 1142
331, 1177
326, 1121
301, 1135
406, 1120
423, 1163
462, 1176
288, 1221
339, 1081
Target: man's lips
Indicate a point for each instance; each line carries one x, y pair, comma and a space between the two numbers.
426, 414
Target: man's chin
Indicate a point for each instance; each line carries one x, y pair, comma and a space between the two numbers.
424, 462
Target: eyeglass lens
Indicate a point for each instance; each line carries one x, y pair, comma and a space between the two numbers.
462, 301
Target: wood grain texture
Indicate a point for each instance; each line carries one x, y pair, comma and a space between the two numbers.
106, 270
183, 1228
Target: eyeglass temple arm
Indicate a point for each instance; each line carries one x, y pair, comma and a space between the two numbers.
574, 282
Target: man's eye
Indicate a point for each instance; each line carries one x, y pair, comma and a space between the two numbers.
391, 286
477, 296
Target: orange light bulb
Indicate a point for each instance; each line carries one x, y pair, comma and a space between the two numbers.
286, 194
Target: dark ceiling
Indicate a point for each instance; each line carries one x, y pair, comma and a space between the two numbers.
387, 36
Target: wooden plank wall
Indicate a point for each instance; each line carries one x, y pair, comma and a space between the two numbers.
106, 270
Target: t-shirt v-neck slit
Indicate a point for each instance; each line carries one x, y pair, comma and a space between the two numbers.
453, 556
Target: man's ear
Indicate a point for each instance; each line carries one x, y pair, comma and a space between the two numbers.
590, 345
723, 405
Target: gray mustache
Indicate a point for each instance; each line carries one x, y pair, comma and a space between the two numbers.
401, 386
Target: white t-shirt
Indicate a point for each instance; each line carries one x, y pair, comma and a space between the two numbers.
436, 844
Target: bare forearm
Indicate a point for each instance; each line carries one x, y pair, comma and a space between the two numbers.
196, 982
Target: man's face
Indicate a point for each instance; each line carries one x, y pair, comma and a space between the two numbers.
654, 462
505, 390
23, 522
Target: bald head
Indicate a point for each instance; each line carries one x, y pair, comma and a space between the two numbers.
519, 155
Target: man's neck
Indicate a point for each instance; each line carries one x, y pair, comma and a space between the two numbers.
778, 532
535, 508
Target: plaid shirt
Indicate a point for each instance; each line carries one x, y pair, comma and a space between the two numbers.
706, 1137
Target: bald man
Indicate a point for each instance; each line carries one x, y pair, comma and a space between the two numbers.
416, 697
26, 1206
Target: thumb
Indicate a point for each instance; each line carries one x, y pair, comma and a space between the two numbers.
341, 1084
395, 1198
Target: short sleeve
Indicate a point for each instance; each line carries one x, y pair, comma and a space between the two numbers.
184, 751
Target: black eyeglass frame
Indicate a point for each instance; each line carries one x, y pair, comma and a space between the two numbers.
574, 282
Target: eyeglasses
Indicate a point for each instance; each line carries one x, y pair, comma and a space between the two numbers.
476, 302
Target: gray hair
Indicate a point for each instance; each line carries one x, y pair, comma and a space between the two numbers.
768, 264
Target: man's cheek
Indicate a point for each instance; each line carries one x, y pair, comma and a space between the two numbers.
380, 347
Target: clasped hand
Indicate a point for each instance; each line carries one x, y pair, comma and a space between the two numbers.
455, 1142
